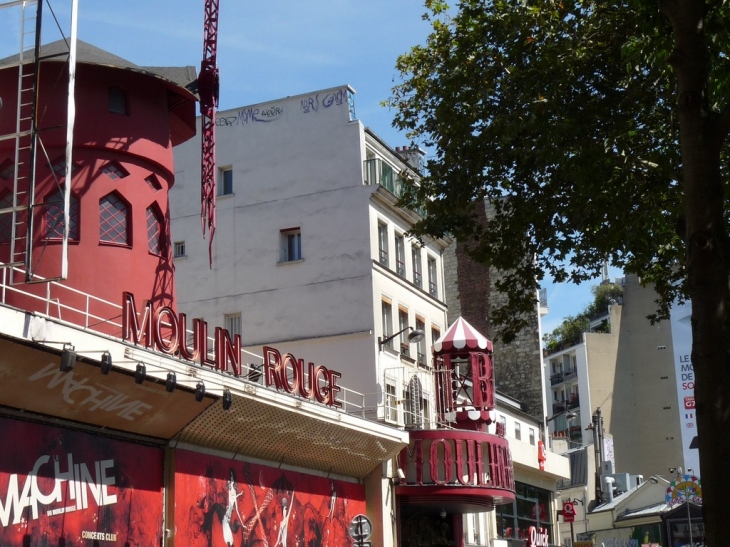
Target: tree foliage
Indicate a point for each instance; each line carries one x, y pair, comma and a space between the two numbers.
562, 114
570, 331
595, 130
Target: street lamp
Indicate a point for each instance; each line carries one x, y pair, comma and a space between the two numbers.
416, 335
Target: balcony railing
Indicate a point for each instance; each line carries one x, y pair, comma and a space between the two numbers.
376, 171
68, 306
559, 407
571, 375
574, 403
557, 378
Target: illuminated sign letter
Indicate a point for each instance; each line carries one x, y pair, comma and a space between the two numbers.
130, 326
448, 462
166, 345
227, 352
272, 363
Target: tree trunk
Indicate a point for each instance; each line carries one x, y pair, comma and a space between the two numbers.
708, 267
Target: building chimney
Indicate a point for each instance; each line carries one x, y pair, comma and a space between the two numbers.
414, 157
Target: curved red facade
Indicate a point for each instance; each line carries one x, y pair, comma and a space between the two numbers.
458, 470
127, 121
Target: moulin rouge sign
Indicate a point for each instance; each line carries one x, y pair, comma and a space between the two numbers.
165, 331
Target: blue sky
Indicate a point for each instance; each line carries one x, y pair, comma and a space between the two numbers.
269, 50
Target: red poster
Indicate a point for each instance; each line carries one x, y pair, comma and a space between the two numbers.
62, 487
222, 502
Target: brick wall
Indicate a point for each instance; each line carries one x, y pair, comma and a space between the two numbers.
470, 294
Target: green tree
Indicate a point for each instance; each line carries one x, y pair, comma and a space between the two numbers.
596, 130
568, 333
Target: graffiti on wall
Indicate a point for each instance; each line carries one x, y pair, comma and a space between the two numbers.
63, 487
227, 503
336, 98
251, 114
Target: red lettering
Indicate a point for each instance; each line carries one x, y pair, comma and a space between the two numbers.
465, 470
272, 363
203, 345
289, 359
320, 392
448, 462
227, 352
185, 351
407, 455
306, 389
166, 345
130, 327
482, 477
334, 389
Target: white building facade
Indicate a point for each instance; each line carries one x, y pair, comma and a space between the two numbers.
311, 255
310, 244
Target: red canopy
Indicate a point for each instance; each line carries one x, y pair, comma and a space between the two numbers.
461, 336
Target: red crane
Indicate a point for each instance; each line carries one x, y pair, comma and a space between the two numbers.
208, 88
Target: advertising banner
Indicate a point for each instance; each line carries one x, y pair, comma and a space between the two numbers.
682, 346
62, 487
220, 502
32, 381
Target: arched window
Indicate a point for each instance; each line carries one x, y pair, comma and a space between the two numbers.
155, 232
53, 205
6, 219
113, 220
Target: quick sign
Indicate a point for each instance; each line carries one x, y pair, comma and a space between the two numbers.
568, 511
538, 537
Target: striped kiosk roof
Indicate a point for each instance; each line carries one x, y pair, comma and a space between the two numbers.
462, 336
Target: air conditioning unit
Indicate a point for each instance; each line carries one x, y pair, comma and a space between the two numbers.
622, 482
636, 480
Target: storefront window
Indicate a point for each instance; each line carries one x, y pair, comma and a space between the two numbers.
531, 508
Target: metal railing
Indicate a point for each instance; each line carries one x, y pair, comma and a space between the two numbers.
52, 300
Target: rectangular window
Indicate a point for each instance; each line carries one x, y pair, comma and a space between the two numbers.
405, 347
383, 243
225, 181
501, 426
7, 169
432, 278
387, 318
117, 101
532, 436
291, 245
421, 356
518, 431
400, 255
233, 324
416, 253
179, 249
391, 403
426, 413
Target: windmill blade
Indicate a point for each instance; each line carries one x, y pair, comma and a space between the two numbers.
208, 90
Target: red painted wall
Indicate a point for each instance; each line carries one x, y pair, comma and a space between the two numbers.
219, 500
140, 142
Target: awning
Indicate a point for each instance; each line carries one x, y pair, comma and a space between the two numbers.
461, 335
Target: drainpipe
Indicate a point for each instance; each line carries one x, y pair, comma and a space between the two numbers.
608, 483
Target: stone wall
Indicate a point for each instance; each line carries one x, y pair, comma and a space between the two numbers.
470, 293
